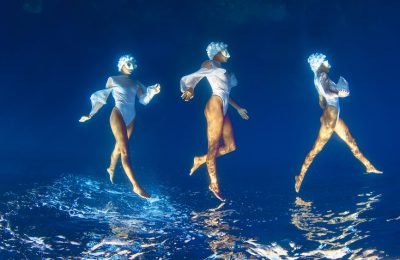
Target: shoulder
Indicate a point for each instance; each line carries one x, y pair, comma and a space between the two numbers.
113, 78
137, 83
323, 76
207, 64
110, 82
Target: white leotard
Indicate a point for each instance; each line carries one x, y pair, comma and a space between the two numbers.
329, 89
124, 91
220, 81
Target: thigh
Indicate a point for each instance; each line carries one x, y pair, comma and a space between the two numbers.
227, 131
118, 128
342, 130
215, 119
329, 117
130, 128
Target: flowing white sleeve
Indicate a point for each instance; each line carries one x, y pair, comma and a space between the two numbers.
328, 88
99, 99
233, 80
342, 85
191, 80
148, 94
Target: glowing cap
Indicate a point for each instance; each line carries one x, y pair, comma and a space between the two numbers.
127, 60
214, 47
315, 60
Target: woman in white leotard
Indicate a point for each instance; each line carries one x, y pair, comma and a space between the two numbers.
329, 94
124, 90
218, 122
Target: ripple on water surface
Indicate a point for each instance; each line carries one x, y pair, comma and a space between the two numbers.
81, 217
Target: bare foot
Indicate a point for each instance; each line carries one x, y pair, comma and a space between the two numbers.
300, 202
372, 169
111, 173
196, 164
298, 183
140, 192
217, 193
217, 208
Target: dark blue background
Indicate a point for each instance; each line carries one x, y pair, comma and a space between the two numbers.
53, 58
55, 53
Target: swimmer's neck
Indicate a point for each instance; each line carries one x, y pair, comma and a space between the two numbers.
217, 63
125, 74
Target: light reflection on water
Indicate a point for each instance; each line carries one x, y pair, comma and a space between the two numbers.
335, 233
84, 218
221, 226
220, 234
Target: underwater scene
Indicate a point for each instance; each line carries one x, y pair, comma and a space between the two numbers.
215, 129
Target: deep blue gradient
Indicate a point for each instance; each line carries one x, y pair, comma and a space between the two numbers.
56, 53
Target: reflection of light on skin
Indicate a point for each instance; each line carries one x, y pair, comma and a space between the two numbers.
334, 232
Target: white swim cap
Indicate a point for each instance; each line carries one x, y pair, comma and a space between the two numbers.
127, 60
214, 47
316, 59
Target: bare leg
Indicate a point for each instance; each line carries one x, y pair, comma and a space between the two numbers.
229, 145
328, 121
215, 119
343, 132
120, 133
115, 154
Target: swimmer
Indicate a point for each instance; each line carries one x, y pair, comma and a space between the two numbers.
124, 90
218, 122
329, 94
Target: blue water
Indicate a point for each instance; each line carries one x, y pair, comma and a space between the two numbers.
85, 216
55, 197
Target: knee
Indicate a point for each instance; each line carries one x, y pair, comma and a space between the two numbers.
115, 152
354, 148
212, 148
318, 147
324, 140
123, 151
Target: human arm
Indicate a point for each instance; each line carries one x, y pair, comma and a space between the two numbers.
110, 82
189, 82
242, 112
98, 100
146, 94
188, 94
328, 85
95, 107
341, 89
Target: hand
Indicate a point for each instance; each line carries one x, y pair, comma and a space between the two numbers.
343, 93
243, 113
188, 94
84, 118
156, 88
